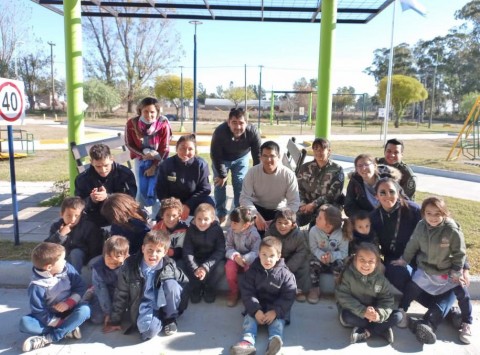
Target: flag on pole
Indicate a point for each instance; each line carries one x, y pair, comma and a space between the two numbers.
413, 5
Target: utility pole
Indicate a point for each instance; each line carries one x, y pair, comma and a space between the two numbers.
260, 97
433, 93
182, 107
51, 69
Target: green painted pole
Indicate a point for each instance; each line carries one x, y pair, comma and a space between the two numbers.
74, 76
310, 108
272, 108
324, 98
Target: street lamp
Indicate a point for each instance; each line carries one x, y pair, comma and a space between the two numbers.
195, 23
51, 69
260, 96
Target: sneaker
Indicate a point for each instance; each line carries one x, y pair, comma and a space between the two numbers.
455, 317
313, 295
74, 334
35, 342
274, 345
232, 299
404, 321
170, 328
424, 333
243, 348
465, 334
358, 335
388, 335
209, 295
300, 297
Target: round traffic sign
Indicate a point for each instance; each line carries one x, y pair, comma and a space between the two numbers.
11, 101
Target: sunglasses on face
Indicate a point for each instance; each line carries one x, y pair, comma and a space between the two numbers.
387, 192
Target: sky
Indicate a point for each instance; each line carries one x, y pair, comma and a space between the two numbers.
286, 51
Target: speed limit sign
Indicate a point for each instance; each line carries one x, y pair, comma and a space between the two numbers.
12, 102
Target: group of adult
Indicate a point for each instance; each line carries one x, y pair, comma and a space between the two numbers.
384, 187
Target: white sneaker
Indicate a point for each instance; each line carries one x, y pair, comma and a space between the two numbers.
465, 333
74, 334
35, 342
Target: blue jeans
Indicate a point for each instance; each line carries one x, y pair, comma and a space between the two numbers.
140, 199
250, 327
239, 168
79, 314
399, 276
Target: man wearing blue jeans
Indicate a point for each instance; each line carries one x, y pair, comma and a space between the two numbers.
231, 143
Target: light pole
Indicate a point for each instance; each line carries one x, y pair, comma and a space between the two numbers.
260, 96
195, 23
51, 69
182, 129
433, 93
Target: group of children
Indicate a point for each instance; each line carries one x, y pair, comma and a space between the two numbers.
174, 263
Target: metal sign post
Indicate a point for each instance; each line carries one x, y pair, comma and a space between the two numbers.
12, 112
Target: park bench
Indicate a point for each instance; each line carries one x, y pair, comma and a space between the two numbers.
294, 155
19, 135
121, 154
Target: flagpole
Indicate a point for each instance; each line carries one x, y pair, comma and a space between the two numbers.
389, 79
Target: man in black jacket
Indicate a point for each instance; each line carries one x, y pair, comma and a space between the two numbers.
102, 178
231, 143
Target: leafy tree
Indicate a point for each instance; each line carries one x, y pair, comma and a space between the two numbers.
467, 103
220, 91
403, 62
303, 85
202, 93
344, 97
254, 89
169, 87
99, 96
405, 90
237, 94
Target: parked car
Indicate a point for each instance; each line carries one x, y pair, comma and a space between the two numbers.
172, 117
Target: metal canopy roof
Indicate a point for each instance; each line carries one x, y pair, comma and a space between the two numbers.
295, 11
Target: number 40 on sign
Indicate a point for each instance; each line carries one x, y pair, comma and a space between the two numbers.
12, 102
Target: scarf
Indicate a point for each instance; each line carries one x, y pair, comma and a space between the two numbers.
147, 132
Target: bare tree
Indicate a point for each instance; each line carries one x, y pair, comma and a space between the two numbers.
34, 72
149, 45
13, 28
102, 63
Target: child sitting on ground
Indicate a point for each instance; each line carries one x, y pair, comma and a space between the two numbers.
104, 278
328, 241
363, 296
161, 297
362, 231
204, 254
81, 238
127, 219
294, 248
268, 292
171, 214
55, 291
439, 247
242, 243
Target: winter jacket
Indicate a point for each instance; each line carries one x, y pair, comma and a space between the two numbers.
120, 179
294, 246
225, 147
438, 249
187, 181
104, 281
46, 290
203, 248
85, 235
131, 284
177, 237
134, 232
356, 198
356, 292
267, 290
384, 225
245, 244
359, 238
321, 243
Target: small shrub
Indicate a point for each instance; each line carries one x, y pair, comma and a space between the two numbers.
61, 189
